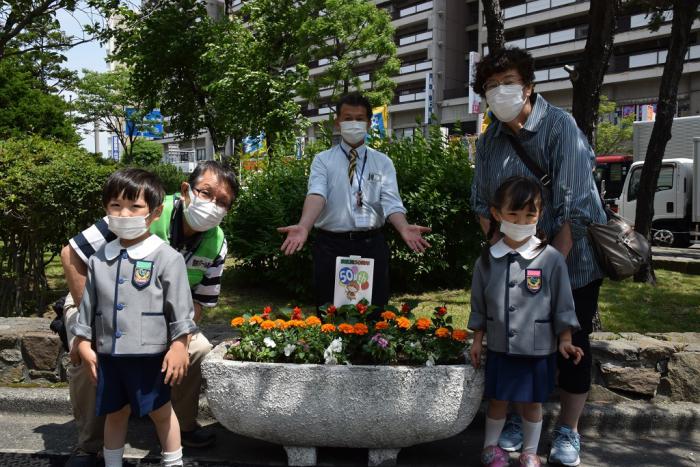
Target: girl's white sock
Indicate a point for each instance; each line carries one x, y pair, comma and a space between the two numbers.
172, 458
493, 431
113, 457
531, 435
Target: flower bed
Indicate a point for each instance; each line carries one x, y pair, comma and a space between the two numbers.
355, 334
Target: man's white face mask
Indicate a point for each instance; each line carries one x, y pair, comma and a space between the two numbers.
506, 101
353, 132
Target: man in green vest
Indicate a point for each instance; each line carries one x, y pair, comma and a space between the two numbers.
190, 223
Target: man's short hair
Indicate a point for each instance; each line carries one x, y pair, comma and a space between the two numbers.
503, 60
354, 99
221, 172
130, 183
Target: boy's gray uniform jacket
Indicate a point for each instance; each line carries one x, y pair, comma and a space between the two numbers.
137, 300
522, 300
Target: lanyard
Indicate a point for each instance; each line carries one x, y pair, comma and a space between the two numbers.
362, 171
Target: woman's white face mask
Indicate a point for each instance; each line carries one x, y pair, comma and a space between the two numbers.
506, 101
203, 215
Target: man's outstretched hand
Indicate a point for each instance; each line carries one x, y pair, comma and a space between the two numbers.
412, 234
296, 238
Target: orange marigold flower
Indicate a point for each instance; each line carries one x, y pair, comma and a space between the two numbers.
313, 321
255, 319
459, 335
237, 322
267, 324
279, 323
327, 328
346, 328
296, 313
388, 315
442, 332
381, 325
423, 324
297, 323
403, 323
361, 329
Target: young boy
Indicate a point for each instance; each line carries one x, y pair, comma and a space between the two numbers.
137, 313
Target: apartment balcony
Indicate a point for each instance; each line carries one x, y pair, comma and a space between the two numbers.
413, 72
412, 15
542, 11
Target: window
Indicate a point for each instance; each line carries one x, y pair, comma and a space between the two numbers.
665, 181
201, 154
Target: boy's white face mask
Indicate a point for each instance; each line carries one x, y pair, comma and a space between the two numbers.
518, 232
203, 215
127, 228
506, 101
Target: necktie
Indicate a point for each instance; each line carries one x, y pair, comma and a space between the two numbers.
353, 164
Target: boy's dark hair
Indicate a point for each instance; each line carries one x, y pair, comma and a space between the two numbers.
130, 183
514, 193
222, 172
354, 99
503, 60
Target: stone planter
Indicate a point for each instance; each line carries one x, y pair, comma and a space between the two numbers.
382, 408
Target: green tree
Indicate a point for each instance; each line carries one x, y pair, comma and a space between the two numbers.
144, 153
106, 98
48, 191
26, 108
612, 138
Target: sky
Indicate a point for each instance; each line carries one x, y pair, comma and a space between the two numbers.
91, 56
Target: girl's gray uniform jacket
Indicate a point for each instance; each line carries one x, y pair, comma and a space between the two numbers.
138, 297
522, 300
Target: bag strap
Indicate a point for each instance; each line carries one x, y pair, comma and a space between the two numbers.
532, 166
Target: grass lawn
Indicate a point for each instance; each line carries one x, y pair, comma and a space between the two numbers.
672, 306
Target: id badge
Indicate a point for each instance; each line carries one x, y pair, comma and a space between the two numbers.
362, 217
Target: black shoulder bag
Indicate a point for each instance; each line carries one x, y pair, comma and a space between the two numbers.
620, 250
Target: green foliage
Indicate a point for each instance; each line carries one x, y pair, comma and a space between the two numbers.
144, 153
26, 108
611, 138
171, 176
48, 192
434, 179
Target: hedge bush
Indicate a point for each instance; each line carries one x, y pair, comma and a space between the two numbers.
435, 182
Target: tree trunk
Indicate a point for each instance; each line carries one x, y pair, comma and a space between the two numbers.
589, 73
494, 24
684, 13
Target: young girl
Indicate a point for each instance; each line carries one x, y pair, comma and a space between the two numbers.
137, 311
521, 299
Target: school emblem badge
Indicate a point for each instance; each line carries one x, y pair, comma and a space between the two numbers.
533, 278
143, 271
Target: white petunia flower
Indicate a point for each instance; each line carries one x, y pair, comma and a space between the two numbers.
269, 343
288, 349
430, 361
329, 354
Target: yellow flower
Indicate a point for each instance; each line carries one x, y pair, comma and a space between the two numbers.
313, 321
380, 325
423, 324
267, 324
327, 328
388, 315
237, 322
346, 328
255, 319
403, 323
459, 335
361, 329
442, 332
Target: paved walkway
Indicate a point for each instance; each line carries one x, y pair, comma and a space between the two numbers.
685, 260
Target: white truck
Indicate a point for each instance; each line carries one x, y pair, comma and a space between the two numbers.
677, 200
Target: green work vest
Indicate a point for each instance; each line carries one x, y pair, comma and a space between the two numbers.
207, 250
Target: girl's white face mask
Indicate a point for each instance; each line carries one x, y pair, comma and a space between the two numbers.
506, 101
127, 228
203, 215
353, 132
518, 232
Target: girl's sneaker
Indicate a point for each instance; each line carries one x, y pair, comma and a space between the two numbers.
511, 438
493, 456
529, 459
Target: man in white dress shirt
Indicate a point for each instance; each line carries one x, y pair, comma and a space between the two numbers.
352, 193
